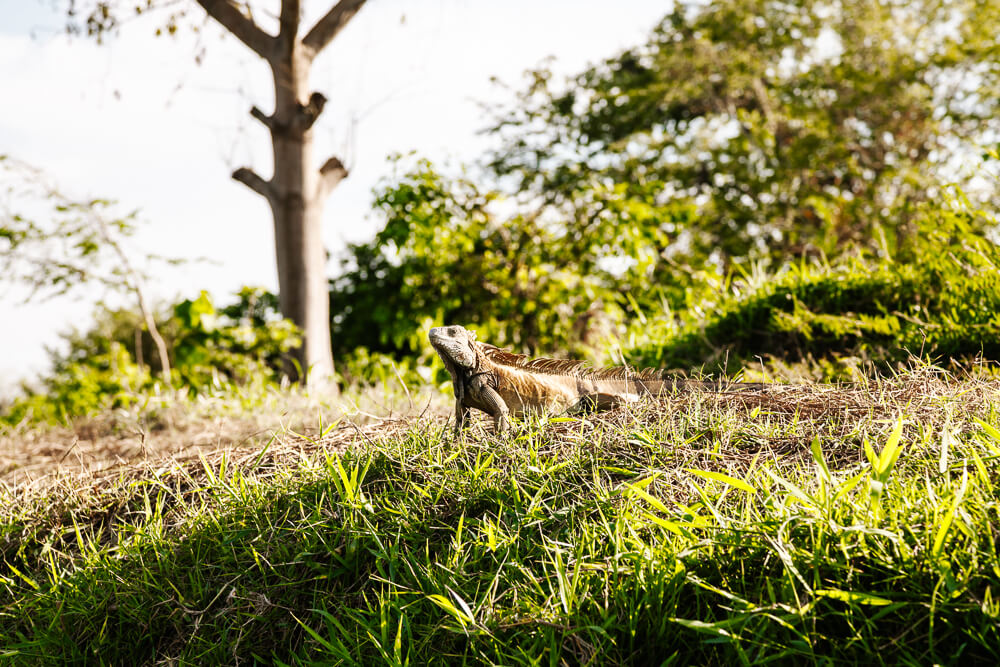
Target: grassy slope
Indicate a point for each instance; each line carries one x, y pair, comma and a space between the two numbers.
879, 312
703, 529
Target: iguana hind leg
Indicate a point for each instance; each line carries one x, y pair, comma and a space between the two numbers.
595, 402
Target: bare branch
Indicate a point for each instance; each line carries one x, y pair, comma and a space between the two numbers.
135, 281
330, 25
263, 117
232, 19
291, 16
252, 180
331, 173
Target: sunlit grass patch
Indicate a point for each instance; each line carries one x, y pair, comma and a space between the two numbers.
804, 523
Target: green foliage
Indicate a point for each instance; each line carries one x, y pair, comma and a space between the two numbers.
940, 300
113, 365
388, 373
247, 338
447, 255
791, 128
740, 137
54, 244
110, 379
865, 541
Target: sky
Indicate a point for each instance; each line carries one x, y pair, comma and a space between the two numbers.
159, 124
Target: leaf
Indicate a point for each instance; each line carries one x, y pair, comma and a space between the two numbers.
984, 475
316, 636
946, 440
853, 597
942, 531
891, 450
635, 489
847, 486
870, 455
726, 479
465, 607
463, 615
795, 491
817, 454
702, 626
993, 441
674, 527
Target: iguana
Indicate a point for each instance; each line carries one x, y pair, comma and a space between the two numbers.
502, 383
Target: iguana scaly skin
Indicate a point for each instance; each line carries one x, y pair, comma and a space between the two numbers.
501, 383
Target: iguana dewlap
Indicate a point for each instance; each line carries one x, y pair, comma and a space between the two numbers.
501, 383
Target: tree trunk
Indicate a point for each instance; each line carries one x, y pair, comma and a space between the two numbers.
297, 204
298, 190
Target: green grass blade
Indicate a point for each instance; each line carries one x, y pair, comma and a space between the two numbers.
725, 479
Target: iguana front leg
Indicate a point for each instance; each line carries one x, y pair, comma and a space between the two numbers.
496, 408
478, 393
490, 402
458, 386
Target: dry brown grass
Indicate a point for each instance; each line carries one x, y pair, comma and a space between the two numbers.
34, 459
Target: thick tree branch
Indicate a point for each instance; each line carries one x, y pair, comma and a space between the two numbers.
331, 173
330, 25
252, 180
232, 19
291, 16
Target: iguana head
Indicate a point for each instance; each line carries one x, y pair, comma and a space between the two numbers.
456, 345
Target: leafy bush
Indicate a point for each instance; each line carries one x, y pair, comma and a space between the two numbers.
447, 256
233, 344
113, 365
941, 301
110, 379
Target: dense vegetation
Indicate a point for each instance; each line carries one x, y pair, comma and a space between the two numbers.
757, 180
114, 365
940, 300
743, 138
838, 318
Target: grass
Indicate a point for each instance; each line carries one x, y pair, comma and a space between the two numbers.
842, 316
175, 423
804, 523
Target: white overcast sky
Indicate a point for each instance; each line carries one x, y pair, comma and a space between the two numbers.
138, 121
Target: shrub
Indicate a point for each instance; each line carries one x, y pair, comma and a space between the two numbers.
940, 301
112, 364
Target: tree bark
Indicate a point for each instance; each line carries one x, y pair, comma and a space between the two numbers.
298, 189
298, 213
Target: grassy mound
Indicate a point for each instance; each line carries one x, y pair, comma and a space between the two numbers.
940, 302
885, 313
801, 522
